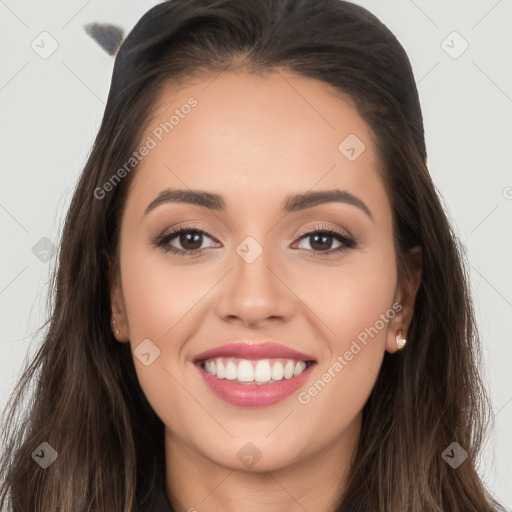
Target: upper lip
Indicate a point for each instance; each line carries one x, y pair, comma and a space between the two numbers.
246, 350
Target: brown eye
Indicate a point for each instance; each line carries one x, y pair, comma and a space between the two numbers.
321, 240
190, 240
185, 240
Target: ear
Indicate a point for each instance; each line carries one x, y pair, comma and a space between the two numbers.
118, 308
405, 295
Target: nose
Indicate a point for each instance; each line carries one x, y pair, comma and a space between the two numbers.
256, 293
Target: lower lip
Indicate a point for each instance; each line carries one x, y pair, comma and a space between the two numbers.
254, 395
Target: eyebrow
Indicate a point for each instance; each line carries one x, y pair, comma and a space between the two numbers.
291, 203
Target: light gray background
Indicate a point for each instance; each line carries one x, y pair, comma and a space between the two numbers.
51, 110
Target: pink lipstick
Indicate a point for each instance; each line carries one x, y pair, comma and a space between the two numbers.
254, 375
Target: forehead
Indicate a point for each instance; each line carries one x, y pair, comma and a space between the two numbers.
254, 139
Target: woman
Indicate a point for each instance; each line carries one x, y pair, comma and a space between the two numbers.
260, 304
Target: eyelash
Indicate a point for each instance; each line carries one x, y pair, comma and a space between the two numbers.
347, 241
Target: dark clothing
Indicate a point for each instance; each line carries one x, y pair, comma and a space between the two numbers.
158, 501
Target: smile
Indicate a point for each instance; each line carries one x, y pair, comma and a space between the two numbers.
263, 371
254, 383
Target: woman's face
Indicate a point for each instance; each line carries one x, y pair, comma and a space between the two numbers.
261, 146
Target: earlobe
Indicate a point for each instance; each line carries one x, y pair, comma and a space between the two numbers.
396, 335
118, 321
405, 297
115, 330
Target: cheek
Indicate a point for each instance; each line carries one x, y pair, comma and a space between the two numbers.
356, 306
349, 299
161, 302
160, 296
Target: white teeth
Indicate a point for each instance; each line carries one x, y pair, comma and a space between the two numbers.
258, 372
277, 371
231, 371
299, 368
263, 372
288, 370
246, 371
221, 369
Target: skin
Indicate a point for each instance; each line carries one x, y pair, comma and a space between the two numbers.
255, 140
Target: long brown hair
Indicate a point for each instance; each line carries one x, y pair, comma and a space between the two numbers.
87, 403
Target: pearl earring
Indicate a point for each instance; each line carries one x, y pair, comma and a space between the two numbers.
400, 342
116, 330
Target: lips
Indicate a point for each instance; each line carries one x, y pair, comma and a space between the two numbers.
266, 388
264, 350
